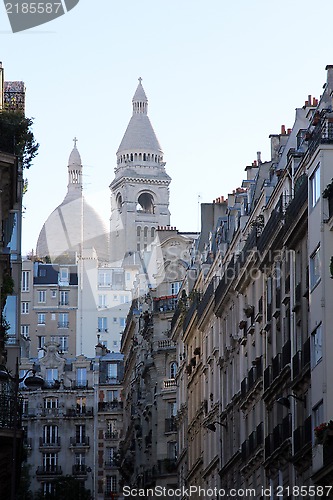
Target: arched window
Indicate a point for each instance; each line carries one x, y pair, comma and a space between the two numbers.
173, 369
152, 233
138, 232
119, 201
146, 203
145, 233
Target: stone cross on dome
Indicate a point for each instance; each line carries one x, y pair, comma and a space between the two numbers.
75, 140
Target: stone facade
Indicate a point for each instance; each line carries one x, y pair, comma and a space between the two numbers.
253, 346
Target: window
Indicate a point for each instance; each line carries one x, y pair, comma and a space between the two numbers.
110, 454
41, 318
64, 274
175, 287
51, 403
317, 345
41, 296
50, 434
172, 409
128, 276
118, 280
81, 403
315, 268
173, 369
25, 331
51, 375
42, 272
53, 316
80, 434
102, 324
115, 320
102, 301
80, 459
63, 341
25, 307
112, 370
50, 462
104, 278
63, 320
48, 489
53, 294
112, 396
115, 343
25, 281
122, 322
41, 341
318, 414
81, 377
64, 298
111, 484
315, 186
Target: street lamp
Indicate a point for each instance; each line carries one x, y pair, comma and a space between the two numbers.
284, 401
33, 382
212, 426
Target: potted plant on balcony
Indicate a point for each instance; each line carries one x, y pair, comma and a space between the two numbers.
324, 432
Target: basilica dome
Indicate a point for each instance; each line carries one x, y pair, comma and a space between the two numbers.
74, 225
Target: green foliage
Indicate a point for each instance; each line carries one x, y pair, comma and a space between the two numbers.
16, 136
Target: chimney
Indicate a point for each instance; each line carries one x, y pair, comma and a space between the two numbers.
283, 130
259, 157
289, 131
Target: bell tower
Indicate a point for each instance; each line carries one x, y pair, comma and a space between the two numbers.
140, 189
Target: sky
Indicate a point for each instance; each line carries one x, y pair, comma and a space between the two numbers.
220, 77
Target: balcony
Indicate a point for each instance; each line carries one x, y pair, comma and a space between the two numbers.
169, 383
229, 275
63, 324
294, 207
206, 299
191, 312
49, 444
49, 470
110, 464
166, 344
82, 442
110, 406
281, 433
165, 303
302, 436
79, 470
301, 361
79, 412
114, 435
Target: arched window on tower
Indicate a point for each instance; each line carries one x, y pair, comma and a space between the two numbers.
145, 203
119, 201
145, 234
152, 233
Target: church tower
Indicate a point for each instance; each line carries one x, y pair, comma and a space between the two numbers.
140, 189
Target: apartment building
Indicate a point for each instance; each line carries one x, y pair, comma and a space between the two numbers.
252, 330
148, 450
49, 303
72, 425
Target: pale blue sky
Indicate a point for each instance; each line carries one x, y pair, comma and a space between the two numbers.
220, 77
